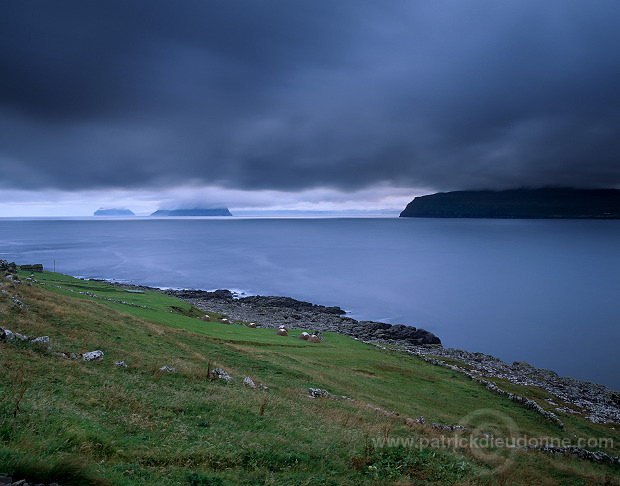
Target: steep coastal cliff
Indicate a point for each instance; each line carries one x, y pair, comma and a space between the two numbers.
549, 203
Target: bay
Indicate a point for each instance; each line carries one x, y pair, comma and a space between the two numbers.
541, 291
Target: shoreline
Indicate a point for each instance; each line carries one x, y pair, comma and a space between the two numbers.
598, 403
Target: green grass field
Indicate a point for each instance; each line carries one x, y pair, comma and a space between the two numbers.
94, 423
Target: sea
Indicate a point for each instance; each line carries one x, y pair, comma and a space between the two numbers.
542, 291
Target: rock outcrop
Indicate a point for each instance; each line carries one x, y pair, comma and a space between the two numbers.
93, 356
598, 403
274, 312
6, 266
220, 374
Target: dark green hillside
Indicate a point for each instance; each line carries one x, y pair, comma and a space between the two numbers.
519, 203
96, 423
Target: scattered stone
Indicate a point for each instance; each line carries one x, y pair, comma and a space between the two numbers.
206, 318
598, 403
419, 420
382, 411
6, 334
93, 356
220, 374
43, 340
304, 336
19, 303
596, 456
249, 382
165, 369
448, 427
73, 356
319, 393
314, 339
122, 364
224, 321
281, 332
252, 325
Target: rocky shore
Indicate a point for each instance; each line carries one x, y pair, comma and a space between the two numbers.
276, 311
596, 402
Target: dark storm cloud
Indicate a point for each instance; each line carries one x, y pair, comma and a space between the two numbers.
294, 95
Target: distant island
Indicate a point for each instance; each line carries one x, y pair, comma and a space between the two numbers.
193, 212
547, 203
114, 212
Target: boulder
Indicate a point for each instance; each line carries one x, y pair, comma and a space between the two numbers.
282, 332
247, 381
167, 369
319, 393
314, 339
304, 336
19, 303
93, 356
206, 318
252, 325
224, 321
6, 334
6, 266
121, 364
220, 374
13, 278
42, 340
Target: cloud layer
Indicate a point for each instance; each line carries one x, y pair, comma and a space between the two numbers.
292, 96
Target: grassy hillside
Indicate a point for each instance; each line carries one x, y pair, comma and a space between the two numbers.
81, 423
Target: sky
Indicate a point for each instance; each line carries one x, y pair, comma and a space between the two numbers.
306, 105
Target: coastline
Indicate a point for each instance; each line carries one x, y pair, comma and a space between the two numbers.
598, 403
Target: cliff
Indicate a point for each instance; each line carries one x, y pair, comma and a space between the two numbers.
552, 203
193, 212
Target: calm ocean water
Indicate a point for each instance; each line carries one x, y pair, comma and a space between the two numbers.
545, 292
